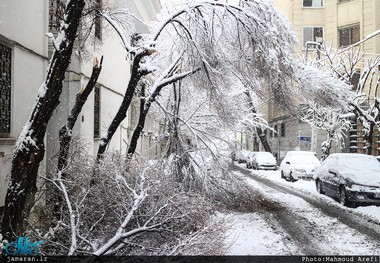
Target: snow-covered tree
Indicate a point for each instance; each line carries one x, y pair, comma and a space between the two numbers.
211, 43
210, 40
353, 67
30, 149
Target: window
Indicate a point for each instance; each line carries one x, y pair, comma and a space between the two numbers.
313, 34
134, 115
355, 80
312, 3
282, 129
97, 112
56, 14
98, 21
349, 35
342, 1
276, 129
5, 90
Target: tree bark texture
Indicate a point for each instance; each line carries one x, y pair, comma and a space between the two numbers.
136, 75
262, 135
65, 133
326, 146
368, 138
144, 109
372, 117
30, 149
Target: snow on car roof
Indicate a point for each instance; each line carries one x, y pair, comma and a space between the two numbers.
361, 168
300, 153
265, 157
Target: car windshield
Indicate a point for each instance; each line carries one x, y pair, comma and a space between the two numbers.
265, 157
355, 163
304, 159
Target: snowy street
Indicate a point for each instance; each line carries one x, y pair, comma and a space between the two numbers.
293, 219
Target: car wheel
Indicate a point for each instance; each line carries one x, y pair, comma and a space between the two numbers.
319, 187
343, 197
248, 166
282, 175
291, 178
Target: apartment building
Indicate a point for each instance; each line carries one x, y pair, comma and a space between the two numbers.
24, 57
339, 23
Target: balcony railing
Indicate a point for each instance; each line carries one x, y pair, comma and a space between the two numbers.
56, 13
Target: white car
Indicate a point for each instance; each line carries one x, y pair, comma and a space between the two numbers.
261, 161
298, 165
242, 156
352, 178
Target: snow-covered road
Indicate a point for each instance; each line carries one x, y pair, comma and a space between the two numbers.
293, 219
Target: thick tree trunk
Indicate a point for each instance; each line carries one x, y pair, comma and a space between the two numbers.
30, 149
145, 109
368, 137
136, 75
262, 135
263, 139
140, 125
326, 146
65, 133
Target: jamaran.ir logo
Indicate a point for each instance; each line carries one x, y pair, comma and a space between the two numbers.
22, 248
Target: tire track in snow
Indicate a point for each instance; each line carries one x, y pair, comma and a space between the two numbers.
317, 228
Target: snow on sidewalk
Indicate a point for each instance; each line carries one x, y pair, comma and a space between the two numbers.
250, 234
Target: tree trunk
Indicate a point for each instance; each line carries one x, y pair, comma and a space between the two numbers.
65, 133
263, 139
65, 136
326, 146
145, 109
368, 137
140, 125
136, 75
30, 149
262, 135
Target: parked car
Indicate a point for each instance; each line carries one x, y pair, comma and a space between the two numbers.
249, 159
242, 156
353, 179
298, 165
262, 161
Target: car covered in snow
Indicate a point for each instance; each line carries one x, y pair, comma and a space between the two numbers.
298, 165
249, 159
351, 178
262, 161
242, 156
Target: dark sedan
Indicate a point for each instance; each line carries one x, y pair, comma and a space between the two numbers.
354, 179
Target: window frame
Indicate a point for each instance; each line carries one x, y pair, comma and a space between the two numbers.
7, 133
275, 127
321, 6
282, 129
313, 27
344, 1
98, 20
97, 111
350, 27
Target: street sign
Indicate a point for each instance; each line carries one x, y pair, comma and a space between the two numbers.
307, 139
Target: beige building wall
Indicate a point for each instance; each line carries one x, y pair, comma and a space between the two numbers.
332, 16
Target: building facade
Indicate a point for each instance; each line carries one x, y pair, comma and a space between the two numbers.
24, 57
338, 23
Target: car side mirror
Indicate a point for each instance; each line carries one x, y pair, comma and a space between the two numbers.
333, 171
287, 162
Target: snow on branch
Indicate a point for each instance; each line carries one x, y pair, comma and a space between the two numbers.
361, 41
111, 20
